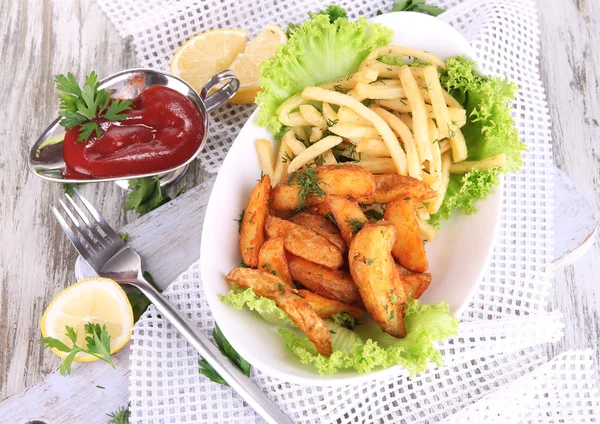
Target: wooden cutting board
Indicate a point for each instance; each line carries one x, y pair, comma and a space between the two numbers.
168, 239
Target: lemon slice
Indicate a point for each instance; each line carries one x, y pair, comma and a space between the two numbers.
245, 65
96, 300
205, 54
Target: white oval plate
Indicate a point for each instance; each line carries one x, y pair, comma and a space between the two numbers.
457, 257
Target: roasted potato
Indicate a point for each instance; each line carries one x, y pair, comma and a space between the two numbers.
389, 187
265, 284
304, 242
336, 285
252, 227
321, 226
326, 308
409, 248
307, 186
414, 283
271, 258
374, 272
348, 215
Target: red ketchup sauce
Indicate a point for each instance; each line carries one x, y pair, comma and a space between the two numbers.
162, 129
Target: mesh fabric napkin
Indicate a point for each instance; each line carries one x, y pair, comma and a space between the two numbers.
507, 319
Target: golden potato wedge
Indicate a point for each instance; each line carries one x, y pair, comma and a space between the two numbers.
304, 243
409, 248
414, 283
307, 186
332, 284
327, 308
252, 227
320, 208
348, 215
374, 272
271, 258
265, 284
392, 186
322, 226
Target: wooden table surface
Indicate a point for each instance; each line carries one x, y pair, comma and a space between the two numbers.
41, 39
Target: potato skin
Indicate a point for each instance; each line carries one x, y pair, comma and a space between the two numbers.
343, 180
304, 243
408, 249
374, 272
348, 215
414, 283
327, 308
332, 284
252, 227
321, 226
271, 258
267, 285
389, 187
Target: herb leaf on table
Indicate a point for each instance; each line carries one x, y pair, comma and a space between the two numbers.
415, 6
146, 195
227, 350
121, 415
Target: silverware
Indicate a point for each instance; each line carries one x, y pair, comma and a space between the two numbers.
46, 156
112, 258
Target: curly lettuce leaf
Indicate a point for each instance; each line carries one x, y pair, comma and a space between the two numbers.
318, 51
238, 297
425, 325
490, 130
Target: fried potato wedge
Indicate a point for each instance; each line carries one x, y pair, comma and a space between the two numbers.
252, 227
307, 186
271, 258
374, 272
409, 248
393, 186
304, 242
322, 226
414, 283
332, 284
348, 215
327, 308
265, 284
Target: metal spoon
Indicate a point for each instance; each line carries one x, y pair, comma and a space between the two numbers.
46, 156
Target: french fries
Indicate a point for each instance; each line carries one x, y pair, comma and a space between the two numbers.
303, 242
302, 314
374, 272
271, 258
327, 308
313, 151
373, 146
403, 51
378, 166
308, 187
389, 187
348, 215
321, 226
264, 150
498, 161
252, 227
313, 116
408, 248
419, 114
332, 284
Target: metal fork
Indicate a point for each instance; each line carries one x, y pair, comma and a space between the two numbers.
112, 258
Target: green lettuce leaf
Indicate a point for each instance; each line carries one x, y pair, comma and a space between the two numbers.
372, 348
317, 51
490, 130
238, 297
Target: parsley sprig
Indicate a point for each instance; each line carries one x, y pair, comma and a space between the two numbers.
97, 344
84, 106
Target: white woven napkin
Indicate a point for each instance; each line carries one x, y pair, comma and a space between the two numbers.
507, 319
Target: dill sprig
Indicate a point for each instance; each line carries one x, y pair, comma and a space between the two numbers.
308, 182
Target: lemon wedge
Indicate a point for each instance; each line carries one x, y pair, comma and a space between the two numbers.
245, 65
96, 300
207, 53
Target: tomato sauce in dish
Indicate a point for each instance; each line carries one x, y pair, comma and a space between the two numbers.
162, 130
